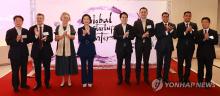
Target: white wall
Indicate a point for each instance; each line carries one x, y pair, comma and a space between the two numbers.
4, 55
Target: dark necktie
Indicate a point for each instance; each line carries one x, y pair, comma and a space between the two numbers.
187, 42
40, 37
187, 25
205, 31
145, 30
165, 24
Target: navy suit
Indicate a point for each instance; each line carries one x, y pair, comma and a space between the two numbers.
87, 52
164, 48
18, 55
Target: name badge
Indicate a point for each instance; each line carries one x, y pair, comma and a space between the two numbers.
211, 37
149, 26
45, 33
24, 36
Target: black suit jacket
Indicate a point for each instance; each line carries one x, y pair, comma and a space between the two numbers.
206, 48
46, 49
187, 40
139, 31
123, 44
164, 42
17, 50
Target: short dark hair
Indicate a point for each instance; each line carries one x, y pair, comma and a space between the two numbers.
18, 16
123, 13
40, 14
189, 12
206, 18
87, 16
165, 13
144, 8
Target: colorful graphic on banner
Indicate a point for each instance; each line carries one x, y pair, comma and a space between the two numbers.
105, 15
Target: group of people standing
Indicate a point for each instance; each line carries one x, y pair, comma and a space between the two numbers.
41, 35
188, 35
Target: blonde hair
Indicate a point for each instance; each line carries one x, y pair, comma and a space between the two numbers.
64, 14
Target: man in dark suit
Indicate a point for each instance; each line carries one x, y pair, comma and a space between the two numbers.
41, 52
123, 34
205, 54
18, 38
143, 30
186, 32
165, 31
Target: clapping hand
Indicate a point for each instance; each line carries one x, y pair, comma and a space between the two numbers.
146, 34
169, 28
126, 34
189, 29
84, 32
19, 38
65, 34
44, 39
206, 36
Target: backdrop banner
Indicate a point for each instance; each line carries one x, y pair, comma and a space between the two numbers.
104, 13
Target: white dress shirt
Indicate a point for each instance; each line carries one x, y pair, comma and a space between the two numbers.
124, 27
18, 30
144, 24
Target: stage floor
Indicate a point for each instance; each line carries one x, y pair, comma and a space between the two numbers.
105, 84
